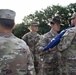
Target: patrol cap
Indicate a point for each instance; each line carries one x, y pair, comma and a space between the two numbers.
73, 16
34, 24
7, 14
56, 20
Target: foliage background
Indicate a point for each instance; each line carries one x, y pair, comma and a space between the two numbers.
43, 16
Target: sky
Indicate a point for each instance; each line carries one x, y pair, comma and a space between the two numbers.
26, 7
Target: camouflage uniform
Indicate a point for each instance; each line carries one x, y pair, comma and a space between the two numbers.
15, 58
50, 58
68, 48
31, 40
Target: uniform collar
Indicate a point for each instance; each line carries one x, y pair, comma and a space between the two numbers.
6, 34
53, 34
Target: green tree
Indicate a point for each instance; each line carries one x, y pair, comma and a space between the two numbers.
42, 17
20, 30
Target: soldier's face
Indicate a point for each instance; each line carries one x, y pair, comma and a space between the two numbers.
34, 28
73, 21
56, 27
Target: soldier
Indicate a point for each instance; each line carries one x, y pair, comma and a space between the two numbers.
31, 38
67, 46
50, 57
15, 56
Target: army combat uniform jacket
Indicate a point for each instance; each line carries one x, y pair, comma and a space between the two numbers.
32, 40
50, 58
15, 57
68, 48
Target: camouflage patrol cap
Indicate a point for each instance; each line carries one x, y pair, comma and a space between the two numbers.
73, 15
7, 14
56, 20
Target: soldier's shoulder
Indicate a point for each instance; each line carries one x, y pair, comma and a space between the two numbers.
73, 29
20, 41
47, 35
70, 31
28, 33
13, 42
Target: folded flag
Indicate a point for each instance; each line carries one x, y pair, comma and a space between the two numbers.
55, 41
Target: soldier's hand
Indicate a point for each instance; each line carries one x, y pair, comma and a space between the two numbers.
39, 49
52, 49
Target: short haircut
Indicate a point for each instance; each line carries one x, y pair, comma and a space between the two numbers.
7, 23
33, 23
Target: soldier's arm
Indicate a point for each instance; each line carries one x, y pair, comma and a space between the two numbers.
41, 44
66, 40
